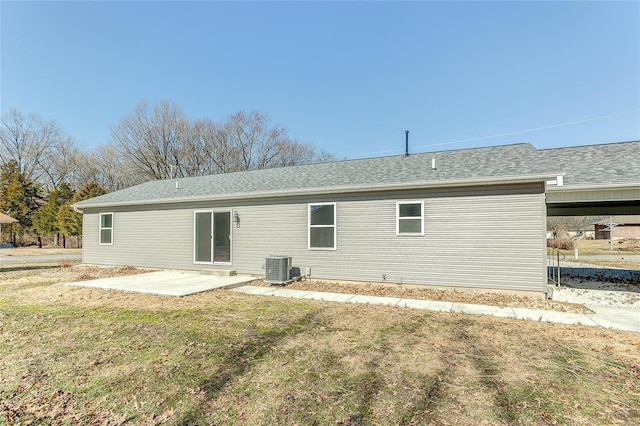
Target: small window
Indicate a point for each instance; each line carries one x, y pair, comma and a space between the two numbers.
410, 218
322, 226
106, 228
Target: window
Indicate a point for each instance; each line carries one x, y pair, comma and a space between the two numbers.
410, 218
322, 226
106, 228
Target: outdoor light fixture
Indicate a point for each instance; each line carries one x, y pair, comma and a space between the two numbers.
236, 218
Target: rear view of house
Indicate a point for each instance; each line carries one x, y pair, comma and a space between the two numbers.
470, 218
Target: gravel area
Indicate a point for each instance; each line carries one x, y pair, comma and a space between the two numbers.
601, 288
618, 298
588, 292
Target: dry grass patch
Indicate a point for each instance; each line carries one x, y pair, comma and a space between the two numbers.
625, 246
620, 264
474, 296
85, 356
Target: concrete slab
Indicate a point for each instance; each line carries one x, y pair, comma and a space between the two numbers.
250, 289
167, 283
570, 318
496, 311
619, 318
328, 297
285, 292
183, 283
430, 305
374, 300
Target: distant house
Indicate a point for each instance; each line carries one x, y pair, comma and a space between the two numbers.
624, 227
6, 219
466, 218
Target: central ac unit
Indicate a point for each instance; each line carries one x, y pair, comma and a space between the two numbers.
277, 269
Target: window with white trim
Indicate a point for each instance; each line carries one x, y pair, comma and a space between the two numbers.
410, 218
322, 226
106, 228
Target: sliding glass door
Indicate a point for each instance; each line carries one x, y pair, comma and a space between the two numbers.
212, 237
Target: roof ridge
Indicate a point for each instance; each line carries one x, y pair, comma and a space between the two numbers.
590, 145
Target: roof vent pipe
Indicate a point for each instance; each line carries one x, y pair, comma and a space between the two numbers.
433, 164
406, 143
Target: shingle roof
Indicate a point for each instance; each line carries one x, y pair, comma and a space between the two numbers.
505, 163
597, 164
6, 219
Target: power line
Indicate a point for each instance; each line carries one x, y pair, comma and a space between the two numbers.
527, 130
569, 123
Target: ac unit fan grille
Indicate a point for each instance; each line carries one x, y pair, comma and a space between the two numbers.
277, 269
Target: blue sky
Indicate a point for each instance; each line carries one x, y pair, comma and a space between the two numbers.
349, 77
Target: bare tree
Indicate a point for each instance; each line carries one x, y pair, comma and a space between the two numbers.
105, 166
38, 147
159, 142
251, 142
151, 139
562, 226
60, 166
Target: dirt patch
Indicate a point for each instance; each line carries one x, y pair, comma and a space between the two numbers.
89, 272
474, 296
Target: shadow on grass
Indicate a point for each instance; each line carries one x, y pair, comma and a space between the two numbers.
365, 386
506, 401
16, 268
238, 359
428, 397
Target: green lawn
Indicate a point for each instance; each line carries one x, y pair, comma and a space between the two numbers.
83, 356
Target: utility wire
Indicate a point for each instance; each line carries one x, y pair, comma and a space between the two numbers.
569, 123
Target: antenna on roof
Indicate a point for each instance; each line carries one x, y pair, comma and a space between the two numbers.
406, 143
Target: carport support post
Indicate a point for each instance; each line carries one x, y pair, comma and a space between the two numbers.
558, 255
610, 233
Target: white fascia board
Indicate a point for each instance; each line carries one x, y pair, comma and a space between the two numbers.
595, 186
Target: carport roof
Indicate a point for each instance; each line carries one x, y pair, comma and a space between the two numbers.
603, 164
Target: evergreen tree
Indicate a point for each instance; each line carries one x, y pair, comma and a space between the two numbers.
45, 220
69, 221
19, 197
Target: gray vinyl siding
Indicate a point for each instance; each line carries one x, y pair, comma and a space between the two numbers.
484, 237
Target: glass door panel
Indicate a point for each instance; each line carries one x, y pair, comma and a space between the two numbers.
203, 237
222, 237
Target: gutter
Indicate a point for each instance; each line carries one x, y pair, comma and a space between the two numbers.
328, 191
596, 186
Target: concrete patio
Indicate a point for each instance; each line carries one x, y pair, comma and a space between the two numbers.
166, 283
184, 283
